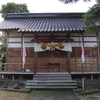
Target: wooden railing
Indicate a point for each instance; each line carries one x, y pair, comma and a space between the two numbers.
85, 67
16, 67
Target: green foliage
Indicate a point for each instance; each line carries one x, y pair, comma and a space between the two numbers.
13, 8
3, 39
9, 8
74, 1
91, 19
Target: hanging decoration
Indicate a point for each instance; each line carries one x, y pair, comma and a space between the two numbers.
52, 45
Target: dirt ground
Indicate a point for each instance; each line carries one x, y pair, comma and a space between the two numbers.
52, 95
95, 96
46, 95
9, 95
38, 95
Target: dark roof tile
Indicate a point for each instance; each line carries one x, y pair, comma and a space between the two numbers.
39, 22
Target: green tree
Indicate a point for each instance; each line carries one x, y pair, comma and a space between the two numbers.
3, 40
13, 8
74, 1
9, 8
91, 19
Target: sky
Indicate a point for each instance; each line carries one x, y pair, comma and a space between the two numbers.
40, 6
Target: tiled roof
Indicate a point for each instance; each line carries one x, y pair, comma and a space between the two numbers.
43, 22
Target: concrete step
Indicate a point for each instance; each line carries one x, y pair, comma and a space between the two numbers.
53, 76
52, 81
51, 84
51, 87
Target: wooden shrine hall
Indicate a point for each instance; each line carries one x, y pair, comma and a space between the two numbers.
49, 43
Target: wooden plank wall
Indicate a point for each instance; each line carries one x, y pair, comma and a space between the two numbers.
91, 59
90, 51
14, 53
14, 59
58, 60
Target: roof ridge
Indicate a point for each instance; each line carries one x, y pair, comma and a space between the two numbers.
28, 15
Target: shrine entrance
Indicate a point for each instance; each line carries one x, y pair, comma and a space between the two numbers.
52, 61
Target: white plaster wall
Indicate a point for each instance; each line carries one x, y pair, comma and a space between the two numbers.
90, 38
75, 44
19, 39
88, 41
14, 40
28, 43
14, 45
90, 44
85, 38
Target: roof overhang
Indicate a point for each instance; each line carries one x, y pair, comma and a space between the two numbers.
43, 23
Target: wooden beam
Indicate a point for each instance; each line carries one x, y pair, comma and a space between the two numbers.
69, 59
21, 51
53, 40
7, 46
98, 50
35, 59
35, 62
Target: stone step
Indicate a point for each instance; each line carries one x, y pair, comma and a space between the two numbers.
53, 78
67, 75
52, 87
51, 84
53, 74
51, 81
56, 73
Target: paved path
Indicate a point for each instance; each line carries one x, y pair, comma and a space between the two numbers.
51, 95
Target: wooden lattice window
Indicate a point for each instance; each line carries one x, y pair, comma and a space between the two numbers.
87, 53
75, 52
11, 53
14, 52
29, 52
90, 52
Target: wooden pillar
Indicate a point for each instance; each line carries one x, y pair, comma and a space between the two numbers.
68, 59
35, 60
82, 66
7, 49
91, 77
35, 63
68, 62
98, 51
13, 78
2, 76
21, 51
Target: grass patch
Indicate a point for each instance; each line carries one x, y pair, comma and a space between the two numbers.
87, 92
47, 93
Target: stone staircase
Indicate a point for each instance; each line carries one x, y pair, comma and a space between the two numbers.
51, 81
